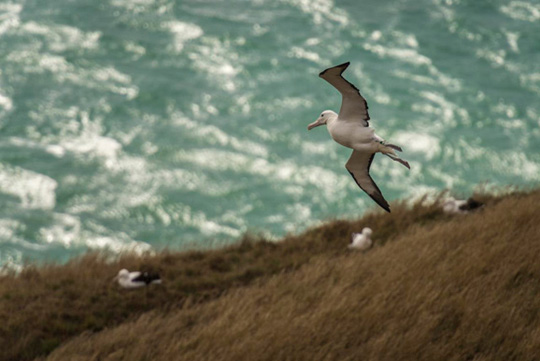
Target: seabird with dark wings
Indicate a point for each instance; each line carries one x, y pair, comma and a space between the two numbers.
350, 128
136, 279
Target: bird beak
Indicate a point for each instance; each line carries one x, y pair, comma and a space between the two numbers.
315, 124
115, 279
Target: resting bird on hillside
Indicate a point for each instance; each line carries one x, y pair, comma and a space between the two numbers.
128, 279
350, 128
362, 241
458, 206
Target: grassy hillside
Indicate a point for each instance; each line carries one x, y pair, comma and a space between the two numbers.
433, 287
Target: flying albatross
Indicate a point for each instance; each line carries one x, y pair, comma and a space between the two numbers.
350, 128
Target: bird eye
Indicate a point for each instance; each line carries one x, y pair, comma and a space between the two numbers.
322, 115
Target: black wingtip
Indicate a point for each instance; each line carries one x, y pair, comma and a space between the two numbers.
381, 202
344, 66
384, 206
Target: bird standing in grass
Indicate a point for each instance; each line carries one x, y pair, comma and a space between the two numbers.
362, 241
128, 279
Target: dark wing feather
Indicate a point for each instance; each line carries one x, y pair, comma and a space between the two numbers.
353, 105
146, 277
471, 205
358, 165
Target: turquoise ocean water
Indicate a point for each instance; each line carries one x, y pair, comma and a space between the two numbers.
143, 124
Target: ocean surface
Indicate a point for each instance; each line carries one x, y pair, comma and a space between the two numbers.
150, 124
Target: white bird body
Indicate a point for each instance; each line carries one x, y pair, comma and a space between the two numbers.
460, 206
351, 134
136, 279
350, 128
451, 205
362, 241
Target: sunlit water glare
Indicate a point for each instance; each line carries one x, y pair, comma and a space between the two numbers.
144, 124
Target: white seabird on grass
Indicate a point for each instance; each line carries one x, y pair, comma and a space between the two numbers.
128, 279
460, 206
350, 128
362, 241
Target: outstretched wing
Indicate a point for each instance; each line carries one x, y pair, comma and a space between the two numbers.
358, 165
353, 106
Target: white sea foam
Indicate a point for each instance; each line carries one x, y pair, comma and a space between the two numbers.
439, 106
9, 16
135, 48
495, 57
96, 145
448, 179
89, 140
212, 135
287, 104
531, 81
218, 59
284, 171
5, 102
443, 10
423, 143
512, 38
65, 230
311, 148
53, 149
33, 62
405, 39
61, 37
105, 78
207, 227
405, 48
132, 4
322, 11
34, 190
110, 79
7, 229
516, 163
421, 79
522, 10
404, 54
301, 53
117, 244
182, 32
296, 214
138, 7
11, 260
504, 108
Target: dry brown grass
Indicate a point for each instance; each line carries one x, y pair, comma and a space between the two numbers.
451, 288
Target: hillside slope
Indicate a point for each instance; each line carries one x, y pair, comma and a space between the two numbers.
462, 288
433, 287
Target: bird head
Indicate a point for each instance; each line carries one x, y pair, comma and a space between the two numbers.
124, 273
367, 231
323, 118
